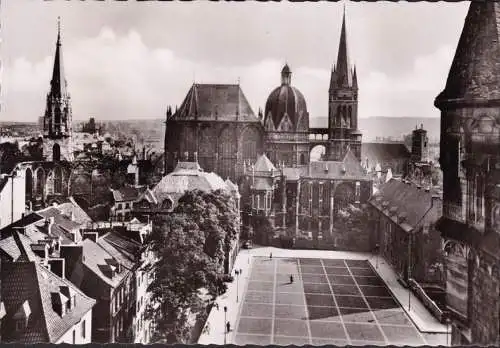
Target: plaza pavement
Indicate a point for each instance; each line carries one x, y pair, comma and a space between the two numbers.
433, 331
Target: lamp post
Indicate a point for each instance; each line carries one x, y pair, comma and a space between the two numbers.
237, 288
377, 250
225, 327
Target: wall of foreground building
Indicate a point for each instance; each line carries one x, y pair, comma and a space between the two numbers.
80, 333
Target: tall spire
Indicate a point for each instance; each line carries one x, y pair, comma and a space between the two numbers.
344, 76
58, 82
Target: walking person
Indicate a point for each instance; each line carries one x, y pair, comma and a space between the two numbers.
291, 279
270, 256
228, 326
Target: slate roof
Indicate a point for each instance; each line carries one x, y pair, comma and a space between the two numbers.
382, 152
95, 258
475, 72
59, 219
31, 282
10, 247
349, 168
211, 102
405, 199
126, 194
79, 215
125, 250
263, 164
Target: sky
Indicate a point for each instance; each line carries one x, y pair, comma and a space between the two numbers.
130, 60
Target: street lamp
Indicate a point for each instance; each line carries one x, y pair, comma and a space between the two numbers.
377, 250
225, 327
237, 281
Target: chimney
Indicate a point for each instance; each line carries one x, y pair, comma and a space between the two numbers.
91, 235
72, 216
40, 249
72, 255
57, 266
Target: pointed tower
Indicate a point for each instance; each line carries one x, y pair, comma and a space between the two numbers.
343, 104
57, 121
470, 161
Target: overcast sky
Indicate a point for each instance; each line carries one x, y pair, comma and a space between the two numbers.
132, 59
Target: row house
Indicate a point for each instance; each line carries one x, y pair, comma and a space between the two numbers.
38, 304
404, 216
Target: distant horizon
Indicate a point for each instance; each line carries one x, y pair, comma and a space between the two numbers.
136, 58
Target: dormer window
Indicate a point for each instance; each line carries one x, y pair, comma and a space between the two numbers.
22, 316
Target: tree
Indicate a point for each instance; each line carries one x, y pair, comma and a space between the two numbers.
191, 245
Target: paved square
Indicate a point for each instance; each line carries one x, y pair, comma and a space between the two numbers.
331, 301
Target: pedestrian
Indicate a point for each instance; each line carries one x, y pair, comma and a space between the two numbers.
228, 326
270, 255
291, 279
216, 305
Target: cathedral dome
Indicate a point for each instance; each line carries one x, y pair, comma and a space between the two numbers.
286, 108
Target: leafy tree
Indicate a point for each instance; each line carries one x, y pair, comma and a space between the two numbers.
191, 245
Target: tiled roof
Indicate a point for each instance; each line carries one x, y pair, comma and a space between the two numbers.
348, 168
95, 258
380, 152
475, 72
59, 219
215, 102
18, 252
32, 284
125, 250
263, 164
396, 197
293, 174
125, 194
79, 215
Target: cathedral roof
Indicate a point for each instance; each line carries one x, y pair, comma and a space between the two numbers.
475, 71
263, 164
286, 104
215, 102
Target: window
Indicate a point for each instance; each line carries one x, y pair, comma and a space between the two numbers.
20, 325
83, 329
74, 336
127, 206
119, 206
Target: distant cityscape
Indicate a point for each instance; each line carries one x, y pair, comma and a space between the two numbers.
224, 224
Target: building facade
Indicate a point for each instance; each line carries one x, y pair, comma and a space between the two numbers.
470, 161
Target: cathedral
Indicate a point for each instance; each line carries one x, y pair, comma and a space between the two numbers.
268, 154
57, 120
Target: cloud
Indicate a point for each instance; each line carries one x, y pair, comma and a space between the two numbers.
113, 77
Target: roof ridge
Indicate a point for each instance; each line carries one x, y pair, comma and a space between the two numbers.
42, 304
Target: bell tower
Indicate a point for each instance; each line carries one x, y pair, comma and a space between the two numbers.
343, 105
57, 120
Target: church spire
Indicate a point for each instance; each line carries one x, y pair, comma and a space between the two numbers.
344, 76
58, 82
